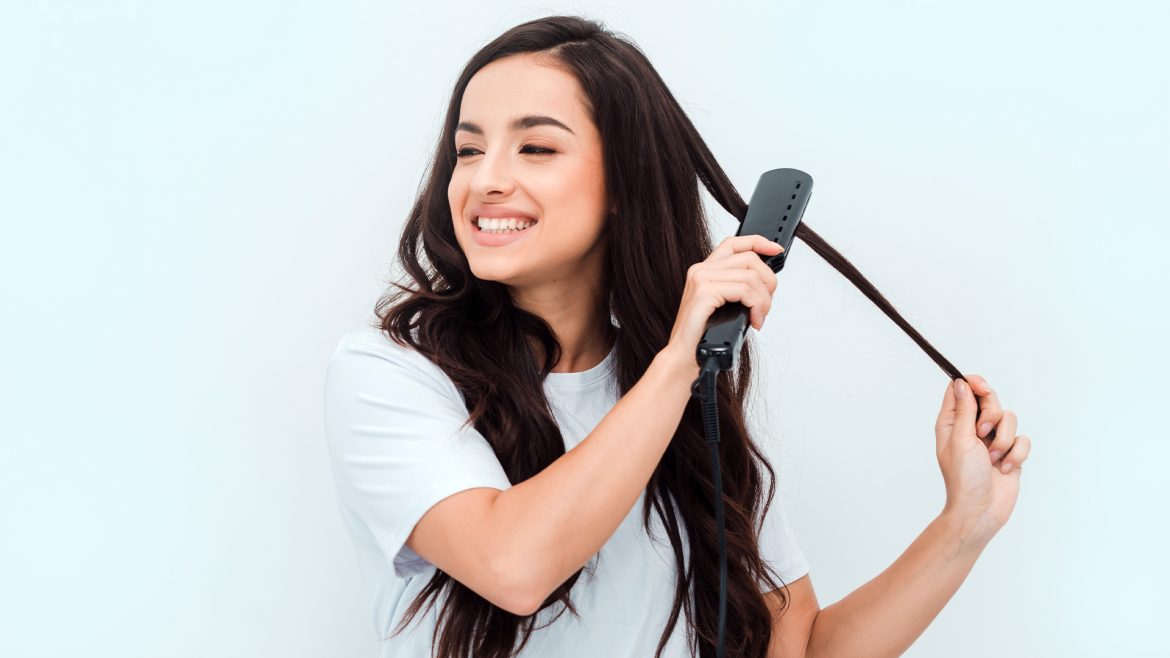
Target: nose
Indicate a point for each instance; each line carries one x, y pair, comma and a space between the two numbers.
492, 174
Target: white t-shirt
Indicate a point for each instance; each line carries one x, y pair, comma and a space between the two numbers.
392, 420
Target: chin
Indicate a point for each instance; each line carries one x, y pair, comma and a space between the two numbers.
499, 275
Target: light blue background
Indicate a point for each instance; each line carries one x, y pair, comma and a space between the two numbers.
198, 200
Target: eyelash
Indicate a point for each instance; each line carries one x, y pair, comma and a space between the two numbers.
539, 151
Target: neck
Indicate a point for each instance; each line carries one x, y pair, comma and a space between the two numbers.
579, 323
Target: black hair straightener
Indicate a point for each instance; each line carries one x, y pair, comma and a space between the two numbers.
774, 211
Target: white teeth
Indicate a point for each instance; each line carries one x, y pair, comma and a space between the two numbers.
503, 224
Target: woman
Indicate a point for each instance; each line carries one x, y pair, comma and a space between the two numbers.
522, 413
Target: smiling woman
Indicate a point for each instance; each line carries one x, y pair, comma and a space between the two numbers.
522, 414
563, 162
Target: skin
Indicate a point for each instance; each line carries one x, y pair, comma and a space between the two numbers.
556, 270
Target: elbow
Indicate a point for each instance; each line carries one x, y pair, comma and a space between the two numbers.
518, 605
527, 607
521, 602
808, 641
518, 589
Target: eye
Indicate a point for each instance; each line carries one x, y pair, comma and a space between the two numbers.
535, 150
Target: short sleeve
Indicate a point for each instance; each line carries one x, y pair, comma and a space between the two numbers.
393, 419
778, 546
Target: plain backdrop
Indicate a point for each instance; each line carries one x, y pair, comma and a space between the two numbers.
200, 199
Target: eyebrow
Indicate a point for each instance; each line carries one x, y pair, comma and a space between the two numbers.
519, 123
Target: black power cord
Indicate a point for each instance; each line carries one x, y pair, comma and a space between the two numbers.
704, 390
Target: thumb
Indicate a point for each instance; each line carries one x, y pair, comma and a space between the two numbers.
966, 408
946, 417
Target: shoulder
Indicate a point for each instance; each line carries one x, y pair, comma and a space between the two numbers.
367, 351
373, 343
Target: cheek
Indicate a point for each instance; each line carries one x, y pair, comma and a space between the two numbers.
455, 189
586, 200
456, 199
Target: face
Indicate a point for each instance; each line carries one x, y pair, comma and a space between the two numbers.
540, 171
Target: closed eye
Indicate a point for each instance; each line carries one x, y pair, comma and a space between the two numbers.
535, 150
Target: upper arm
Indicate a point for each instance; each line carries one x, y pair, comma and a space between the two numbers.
453, 535
792, 628
406, 467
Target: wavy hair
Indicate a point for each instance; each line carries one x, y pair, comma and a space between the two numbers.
471, 329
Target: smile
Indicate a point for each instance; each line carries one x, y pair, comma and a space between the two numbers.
489, 237
503, 224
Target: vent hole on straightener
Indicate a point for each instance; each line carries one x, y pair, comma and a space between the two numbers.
793, 196
798, 185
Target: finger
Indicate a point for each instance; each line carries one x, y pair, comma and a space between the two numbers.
1005, 435
755, 297
765, 301
758, 302
742, 260
750, 293
746, 261
978, 383
990, 410
764, 273
746, 264
739, 243
767, 276
1016, 456
733, 275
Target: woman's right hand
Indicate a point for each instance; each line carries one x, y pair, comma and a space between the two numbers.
734, 272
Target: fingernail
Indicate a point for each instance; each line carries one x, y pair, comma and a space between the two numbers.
960, 388
984, 429
1007, 466
995, 455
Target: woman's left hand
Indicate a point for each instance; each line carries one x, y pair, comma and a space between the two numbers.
981, 494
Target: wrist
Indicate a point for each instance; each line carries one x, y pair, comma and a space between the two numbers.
679, 361
972, 532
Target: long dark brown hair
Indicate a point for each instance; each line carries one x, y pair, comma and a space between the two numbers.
471, 329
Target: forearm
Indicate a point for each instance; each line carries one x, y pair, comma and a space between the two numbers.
886, 615
558, 519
